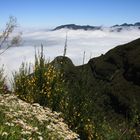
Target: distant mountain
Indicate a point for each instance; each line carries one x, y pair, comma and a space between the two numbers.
137, 24
77, 27
125, 26
114, 28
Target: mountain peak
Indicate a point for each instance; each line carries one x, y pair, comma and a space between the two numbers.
77, 27
113, 28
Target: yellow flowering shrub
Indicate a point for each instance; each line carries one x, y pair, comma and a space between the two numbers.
44, 85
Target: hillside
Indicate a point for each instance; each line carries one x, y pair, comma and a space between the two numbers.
117, 72
21, 120
109, 85
99, 100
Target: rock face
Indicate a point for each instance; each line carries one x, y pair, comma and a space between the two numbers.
22, 120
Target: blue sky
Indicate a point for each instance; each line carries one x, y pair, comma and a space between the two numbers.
51, 13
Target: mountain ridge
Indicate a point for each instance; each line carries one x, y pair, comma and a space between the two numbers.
116, 27
77, 27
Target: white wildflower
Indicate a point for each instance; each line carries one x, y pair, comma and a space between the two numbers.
49, 127
4, 134
39, 133
34, 129
40, 138
9, 124
27, 127
26, 133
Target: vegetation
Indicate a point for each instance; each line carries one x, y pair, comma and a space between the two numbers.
3, 87
98, 100
44, 85
20, 120
91, 111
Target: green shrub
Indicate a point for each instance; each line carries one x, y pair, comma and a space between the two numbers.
3, 86
44, 85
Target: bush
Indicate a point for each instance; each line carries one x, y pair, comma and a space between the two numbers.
3, 86
44, 85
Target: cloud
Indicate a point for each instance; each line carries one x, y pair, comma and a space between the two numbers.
94, 43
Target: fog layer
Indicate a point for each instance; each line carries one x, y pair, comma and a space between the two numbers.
94, 43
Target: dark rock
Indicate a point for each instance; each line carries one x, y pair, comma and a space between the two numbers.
62, 62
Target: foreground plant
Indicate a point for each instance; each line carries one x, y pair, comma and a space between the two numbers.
3, 86
44, 85
24, 121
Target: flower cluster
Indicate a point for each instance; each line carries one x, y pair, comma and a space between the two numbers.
21, 120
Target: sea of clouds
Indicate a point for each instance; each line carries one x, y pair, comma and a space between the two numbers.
94, 43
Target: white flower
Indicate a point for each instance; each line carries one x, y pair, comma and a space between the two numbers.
34, 129
40, 138
4, 134
26, 133
9, 124
39, 133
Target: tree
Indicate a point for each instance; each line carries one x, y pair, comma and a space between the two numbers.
4, 36
16, 40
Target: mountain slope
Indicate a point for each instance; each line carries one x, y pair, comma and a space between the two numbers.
105, 91
115, 74
120, 70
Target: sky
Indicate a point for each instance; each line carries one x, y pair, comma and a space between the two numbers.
51, 13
